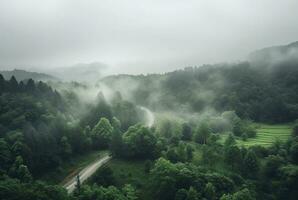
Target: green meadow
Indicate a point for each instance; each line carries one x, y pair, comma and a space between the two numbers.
266, 135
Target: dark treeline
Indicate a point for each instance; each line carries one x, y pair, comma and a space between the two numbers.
32, 119
38, 131
35, 117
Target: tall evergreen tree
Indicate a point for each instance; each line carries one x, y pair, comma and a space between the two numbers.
13, 84
202, 133
30, 86
2, 84
251, 164
186, 132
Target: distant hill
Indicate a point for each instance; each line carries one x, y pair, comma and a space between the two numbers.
83, 72
275, 54
25, 75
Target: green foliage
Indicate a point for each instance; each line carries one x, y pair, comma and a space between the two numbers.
295, 129
116, 123
147, 166
272, 165
209, 191
166, 129
230, 141
103, 177
254, 93
294, 152
180, 153
11, 189
5, 155
232, 156
202, 133
116, 144
19, 170
139, 142
266, 135
287, 189
244, 129
32, 121
192, 194
251, 164
66, 150
101, 110
109, 193
102, 133
126, 112
243, 194
166, 176
186, 132
209, 156
38, 130
183, 194
244, 136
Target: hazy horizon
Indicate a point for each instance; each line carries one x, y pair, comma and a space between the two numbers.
136, 37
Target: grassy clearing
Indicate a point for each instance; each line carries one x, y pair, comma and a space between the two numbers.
266, 135
130, 172
68, 168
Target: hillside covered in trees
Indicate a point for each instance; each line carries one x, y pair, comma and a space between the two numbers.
203, 143
261, 91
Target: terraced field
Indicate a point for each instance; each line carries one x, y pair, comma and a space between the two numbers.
267, 135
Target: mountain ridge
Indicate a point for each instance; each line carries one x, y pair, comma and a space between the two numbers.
20, 75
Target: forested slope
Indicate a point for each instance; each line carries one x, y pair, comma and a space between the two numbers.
259, 92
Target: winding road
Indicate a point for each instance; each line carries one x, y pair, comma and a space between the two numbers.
150, 116
91, 169
86, 173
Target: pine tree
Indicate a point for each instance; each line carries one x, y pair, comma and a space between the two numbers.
186, 132
66, 149
192, 194
13, 84
30, 86
5, 154
209, 191
230, 141
232, 156
251, 164
2, 84
202, 134
19, 170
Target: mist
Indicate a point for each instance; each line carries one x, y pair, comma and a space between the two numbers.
136, 37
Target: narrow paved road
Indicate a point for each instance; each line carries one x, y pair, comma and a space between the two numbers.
86, 173
91, 169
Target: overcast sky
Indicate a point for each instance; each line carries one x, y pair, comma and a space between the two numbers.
140, 36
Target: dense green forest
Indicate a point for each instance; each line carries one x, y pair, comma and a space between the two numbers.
196, 148
253, 92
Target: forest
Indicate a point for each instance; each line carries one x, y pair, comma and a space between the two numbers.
148, 100
224, 131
